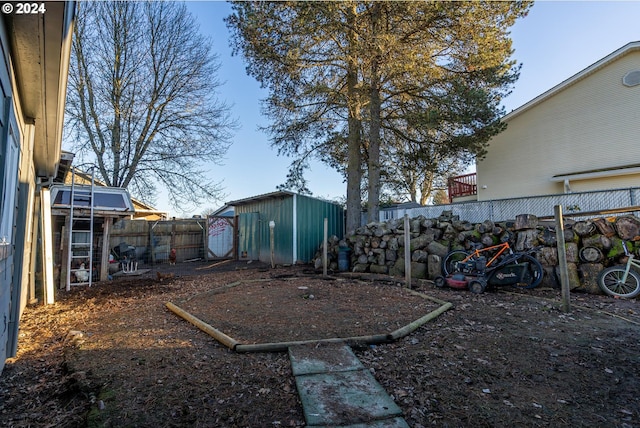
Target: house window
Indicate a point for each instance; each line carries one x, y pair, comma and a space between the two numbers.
9, 159
632, 78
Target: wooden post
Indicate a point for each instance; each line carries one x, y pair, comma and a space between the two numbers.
47, 247
407, 251
272, 226
562, 259
325, 243
205, 239
104, 260
152, 244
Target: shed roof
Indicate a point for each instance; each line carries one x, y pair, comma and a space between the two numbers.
617, 54
272, 195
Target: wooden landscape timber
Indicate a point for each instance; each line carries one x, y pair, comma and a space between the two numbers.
591, 245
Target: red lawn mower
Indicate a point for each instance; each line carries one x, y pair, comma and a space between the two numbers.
471, 274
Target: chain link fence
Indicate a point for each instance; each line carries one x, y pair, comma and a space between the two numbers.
577, 205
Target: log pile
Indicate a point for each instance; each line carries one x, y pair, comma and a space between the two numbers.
591, 245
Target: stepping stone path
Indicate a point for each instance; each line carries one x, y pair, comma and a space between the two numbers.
337, 390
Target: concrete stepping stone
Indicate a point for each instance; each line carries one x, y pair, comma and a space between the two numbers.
337, 390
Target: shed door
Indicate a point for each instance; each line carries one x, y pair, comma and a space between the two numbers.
248, 236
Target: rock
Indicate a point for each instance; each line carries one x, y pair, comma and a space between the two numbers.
574, 278
589, 277
584, 228
419, 256
418, 270
391, 255
360, 267
550, 279
393, 244
462, 225
527, 239
548, 256
628, 228
469, 235
486, 226
432, 234
420, 242
437, 249
573, 255
449, 232
505, 236
488, 240
382, 269
548, 237
446, 215
434, 266
617, 248
597, 241
605, 227
428, 223
590, 254
525, 221
397, 269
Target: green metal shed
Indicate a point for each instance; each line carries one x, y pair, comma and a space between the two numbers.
298, 226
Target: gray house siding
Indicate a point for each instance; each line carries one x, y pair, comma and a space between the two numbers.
9, 164
34, 60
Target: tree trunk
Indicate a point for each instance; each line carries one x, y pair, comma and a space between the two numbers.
354, 172
373, 205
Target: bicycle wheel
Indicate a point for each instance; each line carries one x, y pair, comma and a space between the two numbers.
450, 260
533, 276
610, 281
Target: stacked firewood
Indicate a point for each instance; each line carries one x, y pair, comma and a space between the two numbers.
590, 245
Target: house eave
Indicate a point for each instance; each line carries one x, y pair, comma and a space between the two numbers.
40, 47
626, 49
595, 174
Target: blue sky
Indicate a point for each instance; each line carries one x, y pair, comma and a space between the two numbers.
555, 41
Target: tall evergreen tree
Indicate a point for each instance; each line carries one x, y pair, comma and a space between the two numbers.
342, 75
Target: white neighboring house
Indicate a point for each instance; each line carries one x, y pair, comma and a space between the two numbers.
35, 51
581, 135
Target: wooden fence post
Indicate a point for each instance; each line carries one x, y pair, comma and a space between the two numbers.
325, 244
407, 251
562, 258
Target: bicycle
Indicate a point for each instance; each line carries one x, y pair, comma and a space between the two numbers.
499, 264
621, 280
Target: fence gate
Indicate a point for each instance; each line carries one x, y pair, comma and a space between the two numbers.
220, 237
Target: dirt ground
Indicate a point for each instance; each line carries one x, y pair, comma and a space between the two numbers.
113, 355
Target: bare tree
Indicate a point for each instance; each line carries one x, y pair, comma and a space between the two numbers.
142, 103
